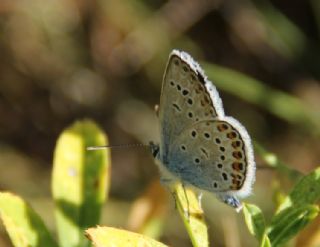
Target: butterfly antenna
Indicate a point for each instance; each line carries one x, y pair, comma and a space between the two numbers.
131, 145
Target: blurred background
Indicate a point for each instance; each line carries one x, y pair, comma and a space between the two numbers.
62, 61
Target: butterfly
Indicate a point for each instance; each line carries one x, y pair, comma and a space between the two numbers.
199, 145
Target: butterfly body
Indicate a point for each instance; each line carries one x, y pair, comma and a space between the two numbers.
199, 145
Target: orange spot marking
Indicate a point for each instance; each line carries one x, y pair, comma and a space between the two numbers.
238, 184
237, 166
237, 155
236, 144
222, 127
232, 135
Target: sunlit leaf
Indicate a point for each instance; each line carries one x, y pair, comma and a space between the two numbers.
306, 191
255, 220
192, 215
111, 237
23, 224
80, 181
289, 222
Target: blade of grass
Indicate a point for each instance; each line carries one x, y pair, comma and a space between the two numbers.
286, 224
192, 215
265, 241
315, 7
80, 181
23, 224
280, 104
288, 39
272, 160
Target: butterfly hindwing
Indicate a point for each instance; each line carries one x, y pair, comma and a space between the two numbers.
213, 155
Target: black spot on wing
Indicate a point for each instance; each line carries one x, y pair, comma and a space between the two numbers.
201, 78
176, 106
204, 152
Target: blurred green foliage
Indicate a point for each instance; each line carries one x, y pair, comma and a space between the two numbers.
104, 59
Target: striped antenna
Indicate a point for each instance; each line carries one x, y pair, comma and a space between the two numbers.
133, 145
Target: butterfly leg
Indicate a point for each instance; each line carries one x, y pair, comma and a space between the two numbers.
200, 199
231, 201
187, 213
178, 202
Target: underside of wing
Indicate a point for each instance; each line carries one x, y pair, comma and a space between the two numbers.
214, 155
187, 97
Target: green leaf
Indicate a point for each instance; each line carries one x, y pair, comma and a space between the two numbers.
23, 224
297, 210
306, 191
255, 220
110, 237
289, 222
191, 214
80, 181
265, 241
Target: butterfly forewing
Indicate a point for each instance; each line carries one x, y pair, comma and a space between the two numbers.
186, 98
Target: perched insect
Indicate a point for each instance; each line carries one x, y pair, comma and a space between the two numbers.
199, 145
